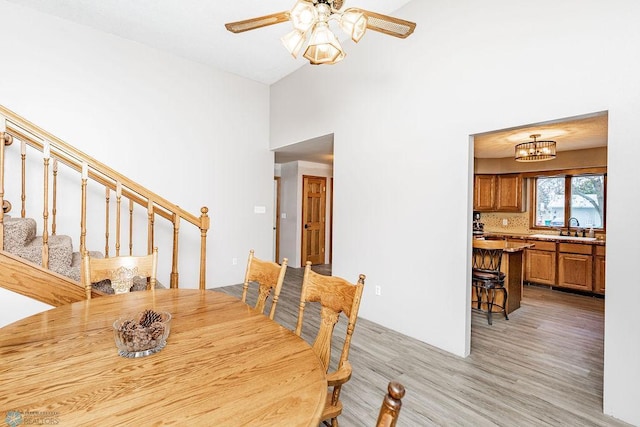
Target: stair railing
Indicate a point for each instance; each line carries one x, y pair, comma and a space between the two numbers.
13, 126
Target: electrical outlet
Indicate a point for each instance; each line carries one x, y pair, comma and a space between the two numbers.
234, 261
505, 222
378, 290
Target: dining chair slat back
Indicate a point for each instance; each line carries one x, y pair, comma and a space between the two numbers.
120, 270
269, 276
335, 295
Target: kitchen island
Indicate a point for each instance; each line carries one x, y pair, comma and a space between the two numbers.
512, 267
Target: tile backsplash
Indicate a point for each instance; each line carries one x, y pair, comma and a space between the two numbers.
515, 222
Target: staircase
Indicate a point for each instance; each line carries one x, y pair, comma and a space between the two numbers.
20, 239
45, 267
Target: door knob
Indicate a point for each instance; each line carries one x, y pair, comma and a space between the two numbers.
306, 226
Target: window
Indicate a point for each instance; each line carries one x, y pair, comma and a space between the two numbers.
577, 197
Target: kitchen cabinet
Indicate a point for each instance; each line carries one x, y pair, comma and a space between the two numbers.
599, 264
563, 264
498, 193
484, 193
509, 193
540, 263
575, 266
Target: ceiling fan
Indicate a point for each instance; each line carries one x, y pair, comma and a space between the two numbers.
310, 19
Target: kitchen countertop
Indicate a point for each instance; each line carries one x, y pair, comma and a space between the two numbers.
517, 247
551, 238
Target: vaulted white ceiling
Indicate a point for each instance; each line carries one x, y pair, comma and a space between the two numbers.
194, 29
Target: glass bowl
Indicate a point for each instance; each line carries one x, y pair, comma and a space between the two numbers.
142, 334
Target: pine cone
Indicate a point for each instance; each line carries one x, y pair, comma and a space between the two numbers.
156, 330
149, 317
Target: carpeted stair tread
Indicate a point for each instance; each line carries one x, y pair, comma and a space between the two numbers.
18, 232
60, 251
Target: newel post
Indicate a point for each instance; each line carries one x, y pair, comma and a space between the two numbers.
204, 227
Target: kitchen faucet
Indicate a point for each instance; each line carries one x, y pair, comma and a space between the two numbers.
569, 226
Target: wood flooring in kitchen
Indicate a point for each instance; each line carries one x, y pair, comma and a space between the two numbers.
543, 367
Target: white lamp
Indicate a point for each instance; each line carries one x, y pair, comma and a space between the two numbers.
303, 16
354, 24
324, 47
294, 41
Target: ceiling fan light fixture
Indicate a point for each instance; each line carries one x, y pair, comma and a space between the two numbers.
294, 41
303, 15
353, 23
535, 151
310, 20
324, 48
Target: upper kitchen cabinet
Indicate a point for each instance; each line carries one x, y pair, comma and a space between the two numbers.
484, 193
509, 193
498, 193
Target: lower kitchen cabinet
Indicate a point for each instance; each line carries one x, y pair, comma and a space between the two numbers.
540, 263
567, 265
575, 271
599, 261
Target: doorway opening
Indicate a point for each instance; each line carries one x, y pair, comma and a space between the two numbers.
549, 307
311, 158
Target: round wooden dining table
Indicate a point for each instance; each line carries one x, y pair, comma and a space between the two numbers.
224, 365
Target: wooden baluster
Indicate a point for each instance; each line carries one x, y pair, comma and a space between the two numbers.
23, 196
204, 226
107, 195
54, 209
118, 205
150, 227
174, 263
45, 212
130, 227
83, 213
3, 143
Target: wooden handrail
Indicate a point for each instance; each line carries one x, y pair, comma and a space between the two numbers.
12, 125
34, 135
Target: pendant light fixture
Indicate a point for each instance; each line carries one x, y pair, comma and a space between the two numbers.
535, 151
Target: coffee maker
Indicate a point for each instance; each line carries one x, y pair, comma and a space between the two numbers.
478, 227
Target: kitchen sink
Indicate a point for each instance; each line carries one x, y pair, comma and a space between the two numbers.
570, 238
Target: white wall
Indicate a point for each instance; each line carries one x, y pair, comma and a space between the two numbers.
402, 112
289, 206
292, 174
194, 135
27, 307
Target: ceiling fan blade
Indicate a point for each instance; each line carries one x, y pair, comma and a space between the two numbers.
253, 23
388, 24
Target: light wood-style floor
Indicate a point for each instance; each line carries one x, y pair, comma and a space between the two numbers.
543, 367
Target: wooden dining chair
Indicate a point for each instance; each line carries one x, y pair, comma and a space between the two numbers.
269, 276
391, 404
335, 295
120, 271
